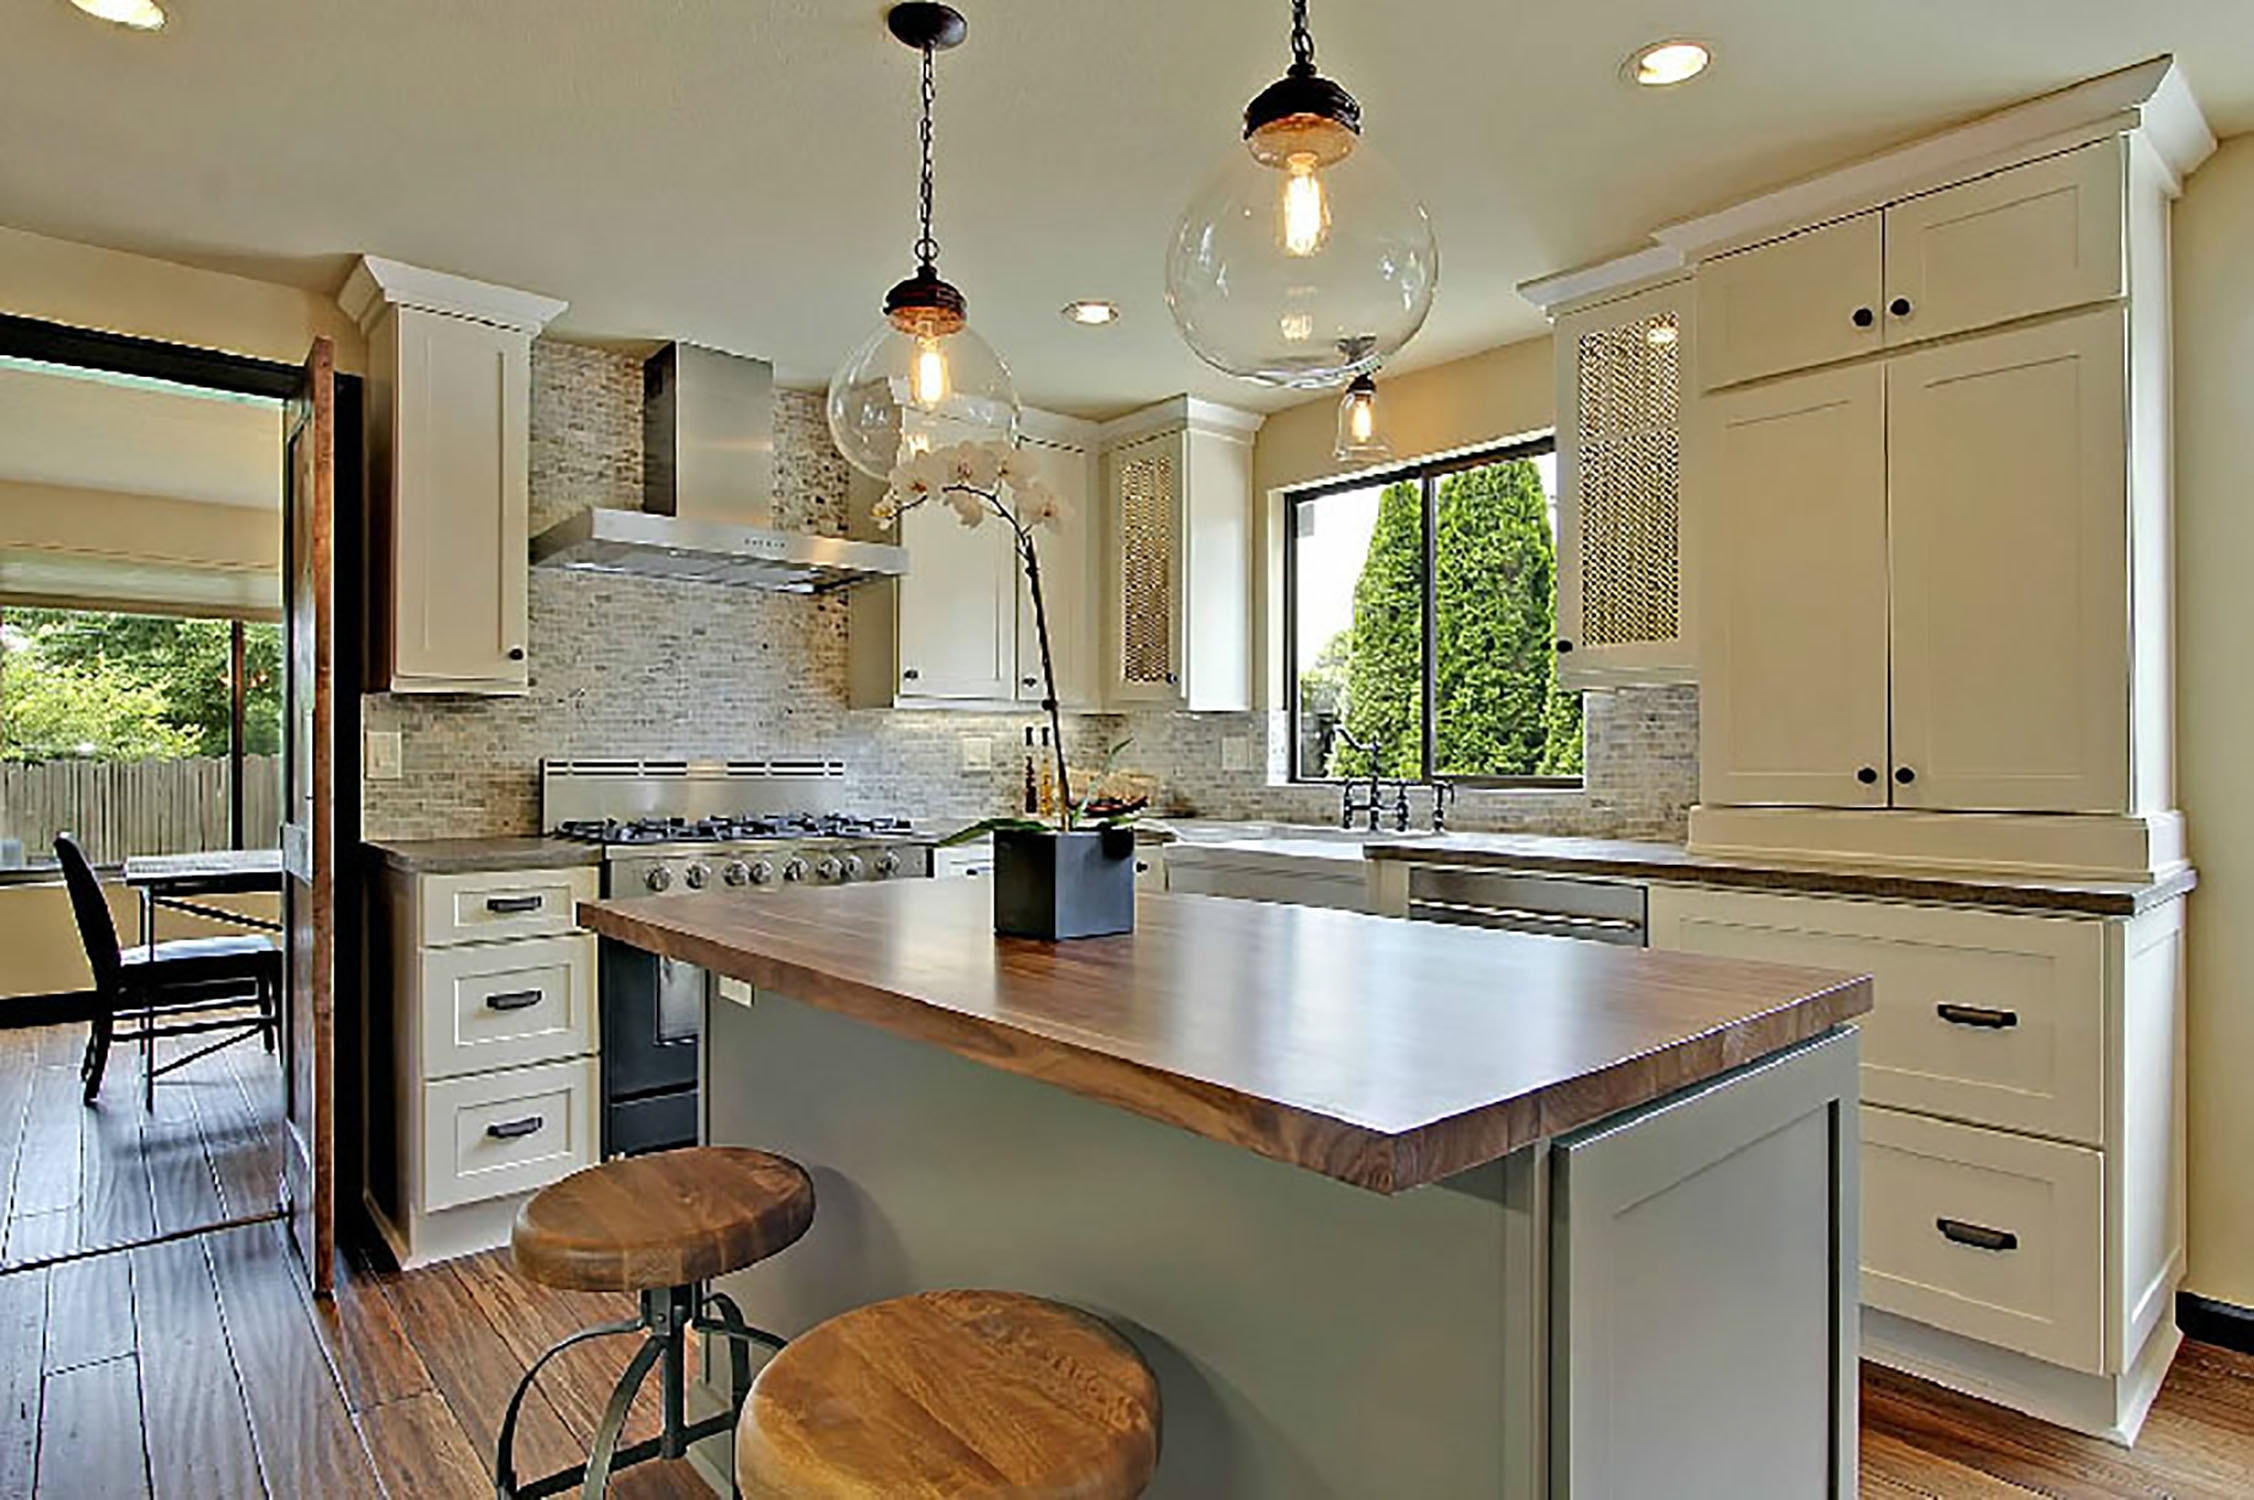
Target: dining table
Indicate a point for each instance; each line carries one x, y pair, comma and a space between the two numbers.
182, 882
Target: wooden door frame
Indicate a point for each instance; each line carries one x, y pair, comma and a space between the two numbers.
242, 374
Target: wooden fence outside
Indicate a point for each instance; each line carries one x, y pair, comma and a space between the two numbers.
122, 808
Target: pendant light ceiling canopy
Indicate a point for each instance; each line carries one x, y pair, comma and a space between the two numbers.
1306, 260
924, 377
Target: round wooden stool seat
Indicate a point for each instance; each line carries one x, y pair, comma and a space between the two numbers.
663, 1220
960, 1394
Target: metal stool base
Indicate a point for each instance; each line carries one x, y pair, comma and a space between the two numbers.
669, 1315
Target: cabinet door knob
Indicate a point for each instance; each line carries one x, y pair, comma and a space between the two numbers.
1563, 647
1868, 775
1173, 679
1899, 307
1863, 317
1904, 775
910, 674
1030, 681
516, 653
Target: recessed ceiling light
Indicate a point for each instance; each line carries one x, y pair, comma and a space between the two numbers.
1664, 63
1091, 312
134, 15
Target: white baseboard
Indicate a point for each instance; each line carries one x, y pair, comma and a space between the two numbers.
2033, 846
2112, 1407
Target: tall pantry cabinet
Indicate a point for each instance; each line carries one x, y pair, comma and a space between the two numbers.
1923, 543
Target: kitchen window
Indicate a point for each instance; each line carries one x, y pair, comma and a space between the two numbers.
1421, 630
138, 734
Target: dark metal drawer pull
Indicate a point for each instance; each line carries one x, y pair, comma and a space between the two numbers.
513, 1000
510, 1130
514, 904
1978, 1236
1977, 1015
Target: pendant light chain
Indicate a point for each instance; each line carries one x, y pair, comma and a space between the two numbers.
927, 248
1302, 40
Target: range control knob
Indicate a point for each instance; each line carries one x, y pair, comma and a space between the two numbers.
698, 877
828, 868
736, 873
794, 868
852, 866
762, 872
659, 879
888, 863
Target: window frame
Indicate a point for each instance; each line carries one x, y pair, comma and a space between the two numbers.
1427, 475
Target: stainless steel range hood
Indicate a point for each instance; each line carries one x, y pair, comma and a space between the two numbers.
708, 492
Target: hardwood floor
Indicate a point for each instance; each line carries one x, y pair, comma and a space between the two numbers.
202, 1369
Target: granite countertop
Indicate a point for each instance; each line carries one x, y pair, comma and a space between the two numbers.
1673, 864
466, 856
1382, 1053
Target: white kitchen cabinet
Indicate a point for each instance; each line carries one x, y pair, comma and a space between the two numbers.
957, 631
2022, 1158
958, 608
1809, 299
449, 432
2028, 240
1177, 556
2042, 237
2007, 510
1791, 495
480, 1070
1623, 599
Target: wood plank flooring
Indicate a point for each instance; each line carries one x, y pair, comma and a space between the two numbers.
202, 1369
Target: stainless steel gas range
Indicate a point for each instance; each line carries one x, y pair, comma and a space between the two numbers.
675, 826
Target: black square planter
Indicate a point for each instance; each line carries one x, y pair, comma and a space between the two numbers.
1053, 886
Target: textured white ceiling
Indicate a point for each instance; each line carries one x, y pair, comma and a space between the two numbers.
139, 438
740, 172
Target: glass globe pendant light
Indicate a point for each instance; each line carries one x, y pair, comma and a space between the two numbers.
925, 377
1306, 260
1360, 438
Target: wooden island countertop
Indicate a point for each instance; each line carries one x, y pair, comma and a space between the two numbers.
1383, 1053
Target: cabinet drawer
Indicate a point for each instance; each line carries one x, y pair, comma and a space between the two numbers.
502, 1005
1978, 1016
1993, 1236
502, 904
2031, 240
501, 1133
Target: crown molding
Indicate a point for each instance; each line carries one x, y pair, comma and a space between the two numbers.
2151, 98
1193, 412
377, 283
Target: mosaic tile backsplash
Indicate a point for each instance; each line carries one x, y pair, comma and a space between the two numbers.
625, 666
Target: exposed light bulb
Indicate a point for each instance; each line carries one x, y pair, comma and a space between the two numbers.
1305, 208
1358, 437
929, 383
1362, 421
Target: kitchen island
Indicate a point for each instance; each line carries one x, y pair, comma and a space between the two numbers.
1392, 1209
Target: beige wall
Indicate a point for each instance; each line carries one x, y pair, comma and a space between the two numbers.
91, 287
1474, 402
39, 948
2214, 237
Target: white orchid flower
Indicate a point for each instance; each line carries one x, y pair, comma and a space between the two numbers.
969, 505
1038, 505
1018, 467
973, 465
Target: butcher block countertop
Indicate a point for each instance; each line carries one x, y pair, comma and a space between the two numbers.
1383, 1053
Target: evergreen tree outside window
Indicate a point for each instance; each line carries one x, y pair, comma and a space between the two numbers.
1423, 617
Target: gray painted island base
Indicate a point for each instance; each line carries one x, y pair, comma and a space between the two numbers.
1655, 1304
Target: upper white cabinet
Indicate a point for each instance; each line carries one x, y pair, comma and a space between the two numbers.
1792, 503
1623, 596
2015, 244
1808, 299
1177, 556
450, 421
2007, 491
958, 630
2018, 243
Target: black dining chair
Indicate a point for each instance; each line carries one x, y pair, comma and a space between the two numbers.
179, 988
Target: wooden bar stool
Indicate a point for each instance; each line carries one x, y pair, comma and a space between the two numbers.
964, 1394
660, 1226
